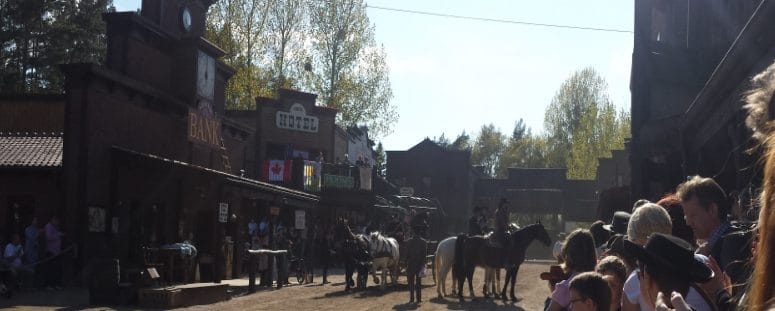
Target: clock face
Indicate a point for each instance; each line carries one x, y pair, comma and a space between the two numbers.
205, 76
185, 18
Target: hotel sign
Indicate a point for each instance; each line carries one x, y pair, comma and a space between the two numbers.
296, 119
204, 129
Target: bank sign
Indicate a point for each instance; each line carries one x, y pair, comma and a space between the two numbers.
203, 129
296, 119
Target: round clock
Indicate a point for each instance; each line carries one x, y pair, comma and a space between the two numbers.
185, 18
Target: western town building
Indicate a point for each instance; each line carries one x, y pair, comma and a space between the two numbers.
690, 64
148, 156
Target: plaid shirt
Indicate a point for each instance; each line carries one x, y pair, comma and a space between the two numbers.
720, 231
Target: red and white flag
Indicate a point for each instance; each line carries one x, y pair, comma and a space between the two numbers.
278, 170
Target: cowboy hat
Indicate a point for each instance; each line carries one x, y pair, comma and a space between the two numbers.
618, 223
672, 253
555, 274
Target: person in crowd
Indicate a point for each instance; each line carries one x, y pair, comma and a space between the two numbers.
32, 249
53, 274
615, 247
639, 203
415, 262
618, 224
589, 292
502, 222
762, 287
647, 219
705, 207
578, 256
13, 252
557, 247
420, 224
600, 235
614, 272
668, 264
252, 227
672, 205
475, 222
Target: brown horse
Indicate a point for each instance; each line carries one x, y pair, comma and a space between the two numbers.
474, 251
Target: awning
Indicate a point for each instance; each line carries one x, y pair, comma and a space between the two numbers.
291, 194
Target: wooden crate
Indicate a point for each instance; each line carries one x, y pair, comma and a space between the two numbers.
160, 297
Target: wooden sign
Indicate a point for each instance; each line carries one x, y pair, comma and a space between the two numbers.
203, 129
300, 219
274, 211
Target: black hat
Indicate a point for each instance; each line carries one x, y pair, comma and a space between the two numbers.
619, 223
673, 253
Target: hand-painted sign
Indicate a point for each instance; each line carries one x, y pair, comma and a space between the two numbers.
296, 119
338, 182
203, 129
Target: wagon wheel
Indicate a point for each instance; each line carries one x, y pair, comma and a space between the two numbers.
301, 272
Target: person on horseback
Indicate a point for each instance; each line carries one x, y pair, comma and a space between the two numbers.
501, 223
475, 222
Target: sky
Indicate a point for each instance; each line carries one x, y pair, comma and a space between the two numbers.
450, 75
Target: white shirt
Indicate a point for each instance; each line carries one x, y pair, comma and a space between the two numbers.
11, 251
632, 291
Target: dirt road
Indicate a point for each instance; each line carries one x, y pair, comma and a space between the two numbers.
530, 289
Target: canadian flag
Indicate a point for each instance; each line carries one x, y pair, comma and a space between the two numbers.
278, 170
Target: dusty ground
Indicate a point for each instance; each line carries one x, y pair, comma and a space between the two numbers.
530, 290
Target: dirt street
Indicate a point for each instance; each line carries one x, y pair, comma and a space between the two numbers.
530, 290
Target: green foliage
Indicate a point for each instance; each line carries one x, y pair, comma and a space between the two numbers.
487, 149
38, 35
380, 159
462, 142
324, 47
583, 125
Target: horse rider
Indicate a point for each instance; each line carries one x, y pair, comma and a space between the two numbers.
475, 222
501, 222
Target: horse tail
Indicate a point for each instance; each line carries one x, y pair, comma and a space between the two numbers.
457, 270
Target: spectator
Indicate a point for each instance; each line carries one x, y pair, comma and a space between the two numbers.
589, 292
252, 227
53, 274
32, 236
762, 287
13, 252
705, 206
672, 205
647, 219
415, 262
618, 223
668, 265
579, 256
614, 272
600, 235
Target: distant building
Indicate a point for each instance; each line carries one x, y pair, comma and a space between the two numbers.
430, 171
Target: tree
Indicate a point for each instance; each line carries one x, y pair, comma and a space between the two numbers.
582, 124
442, 141
583, 90
379, 160
462, 142
286, 34
487, 149
519, 130
38, 35
240, 27
350, 70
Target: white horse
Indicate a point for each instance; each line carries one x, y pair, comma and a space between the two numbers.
384, 250
444, 260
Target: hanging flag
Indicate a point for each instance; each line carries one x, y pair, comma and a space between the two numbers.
278, 170
311, 176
